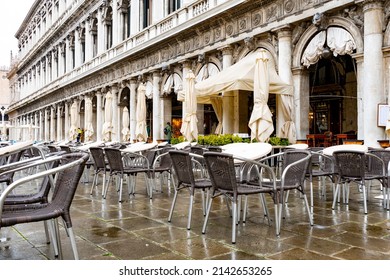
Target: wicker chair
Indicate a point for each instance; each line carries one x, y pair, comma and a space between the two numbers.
183, 168
222, 171
100, 166
135, 163
67, 179
14, 158
163, 164
321, 166
295, 164
351, 167
378, 170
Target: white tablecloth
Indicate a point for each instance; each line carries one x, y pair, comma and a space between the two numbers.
353, 147
251, 151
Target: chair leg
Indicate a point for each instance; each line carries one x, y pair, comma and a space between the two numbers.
207, 215
310, 213
120, 188
53, 237
106, 187
277, 224
57, 239
335, 196
364, 197
190, 211
234, 222
94, 182
172, 206
73, 243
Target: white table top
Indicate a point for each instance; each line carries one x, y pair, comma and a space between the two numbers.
352, 147
15, 147
139, 147
181, 145
252, 151
298, 146
86, 147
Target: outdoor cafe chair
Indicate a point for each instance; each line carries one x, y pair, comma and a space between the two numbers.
67, 177
223, 175
100, 165
321, 166
295, 164
378, 170
185, 179
352, 168
135, 163
163, 165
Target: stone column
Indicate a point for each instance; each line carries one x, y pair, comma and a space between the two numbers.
133, 108
157, 118
373, 71
54, 63
41, 126
69, 56
99, 115
186, 68
228, 119
115, 24
67, 120
59, 126
52, 123
77, 47
302, 104
116, 136
61, 58
88, 39
47, 135
285, 62
134, 17
360, 96
100, 31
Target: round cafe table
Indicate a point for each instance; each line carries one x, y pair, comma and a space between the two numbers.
251, 151
352, 147
139, 148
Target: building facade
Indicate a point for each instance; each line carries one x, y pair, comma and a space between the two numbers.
73, 54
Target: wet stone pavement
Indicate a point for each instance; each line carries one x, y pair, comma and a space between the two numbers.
137, 229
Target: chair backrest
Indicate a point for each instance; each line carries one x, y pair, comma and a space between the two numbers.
181, 162
375, 166
350, 164
52, 148
295, 166
221, 170
65, 148
98, 158
66, 183
115, 161
197, 150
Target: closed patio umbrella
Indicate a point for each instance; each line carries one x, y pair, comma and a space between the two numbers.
126, 124
73, 122
140, 130
107, 126
189, 127
260, 122
88, 117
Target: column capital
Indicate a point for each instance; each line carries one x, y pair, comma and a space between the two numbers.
226, 50
372, 4
283, 31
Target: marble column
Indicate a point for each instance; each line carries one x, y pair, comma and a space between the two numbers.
59, 126
99, 116
67, 120
157, 118
116, 135
52, 123
41, 126
88, 39
133, 108
77, 47
301, 81
228, 119
46, 123
100, 31
373, 72
285, 62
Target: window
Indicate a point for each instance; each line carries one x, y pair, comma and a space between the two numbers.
146, 13
173, 5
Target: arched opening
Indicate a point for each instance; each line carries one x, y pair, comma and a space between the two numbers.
333, 96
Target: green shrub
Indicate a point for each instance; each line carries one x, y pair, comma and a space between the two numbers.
277, 141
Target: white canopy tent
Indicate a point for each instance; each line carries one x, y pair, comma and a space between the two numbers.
242, 76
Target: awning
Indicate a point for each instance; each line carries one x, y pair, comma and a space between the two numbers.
240, 77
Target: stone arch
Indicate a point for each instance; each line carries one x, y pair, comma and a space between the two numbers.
260, 45
312, 30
